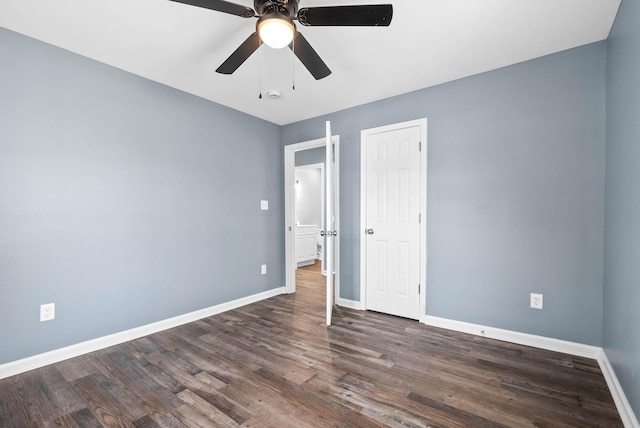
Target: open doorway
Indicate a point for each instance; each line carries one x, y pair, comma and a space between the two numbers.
309, 207
308, 159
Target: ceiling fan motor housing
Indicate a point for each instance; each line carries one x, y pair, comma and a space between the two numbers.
285, 7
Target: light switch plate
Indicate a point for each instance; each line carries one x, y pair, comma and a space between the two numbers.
264, 205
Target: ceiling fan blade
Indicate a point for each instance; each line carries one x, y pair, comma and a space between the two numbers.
221, 6
350, 16
240, 55
309, 58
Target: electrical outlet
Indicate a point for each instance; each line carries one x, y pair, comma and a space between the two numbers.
47, 312
536, 301
263, 269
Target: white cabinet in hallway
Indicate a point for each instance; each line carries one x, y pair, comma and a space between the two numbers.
306, 244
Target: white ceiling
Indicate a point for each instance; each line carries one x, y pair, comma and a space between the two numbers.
428, 42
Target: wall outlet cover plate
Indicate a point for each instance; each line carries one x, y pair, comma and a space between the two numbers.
47, 312
536, 301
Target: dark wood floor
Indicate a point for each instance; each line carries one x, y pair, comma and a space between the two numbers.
275, 364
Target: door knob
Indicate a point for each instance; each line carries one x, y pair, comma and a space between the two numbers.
369, 231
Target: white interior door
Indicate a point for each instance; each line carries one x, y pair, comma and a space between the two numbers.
331, 227
393, 220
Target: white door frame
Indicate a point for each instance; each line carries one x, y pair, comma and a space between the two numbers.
289, 212
423, 208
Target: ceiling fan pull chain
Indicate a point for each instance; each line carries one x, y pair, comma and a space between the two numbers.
293, 63
260, 67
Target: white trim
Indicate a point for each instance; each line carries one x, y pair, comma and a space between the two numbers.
423, 223
20, 366
350, 304
289, 220
311, 166
422, 123
624, 408
527, 339
336, 219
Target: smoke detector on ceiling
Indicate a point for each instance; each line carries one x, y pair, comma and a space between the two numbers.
274, 94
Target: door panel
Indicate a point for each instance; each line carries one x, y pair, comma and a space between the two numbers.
330, 217
392, 221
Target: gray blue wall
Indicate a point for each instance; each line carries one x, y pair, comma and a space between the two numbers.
622, 225
310, 156
123, 201
515, 192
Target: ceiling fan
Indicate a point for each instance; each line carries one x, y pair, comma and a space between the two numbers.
275, 27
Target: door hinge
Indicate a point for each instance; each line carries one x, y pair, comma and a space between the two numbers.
419, 146
418, 288
419, 217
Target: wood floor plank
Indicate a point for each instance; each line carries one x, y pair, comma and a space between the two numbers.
53, 395
76, 368
19, 409
206, 409
145, 422
276, 364
85, 418
66, 421
108, 402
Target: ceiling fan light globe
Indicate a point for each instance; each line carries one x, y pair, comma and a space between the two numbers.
276, 31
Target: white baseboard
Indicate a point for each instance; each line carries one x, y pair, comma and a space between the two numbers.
551, 344
526, 339
20, 366
351, 304
624, 408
